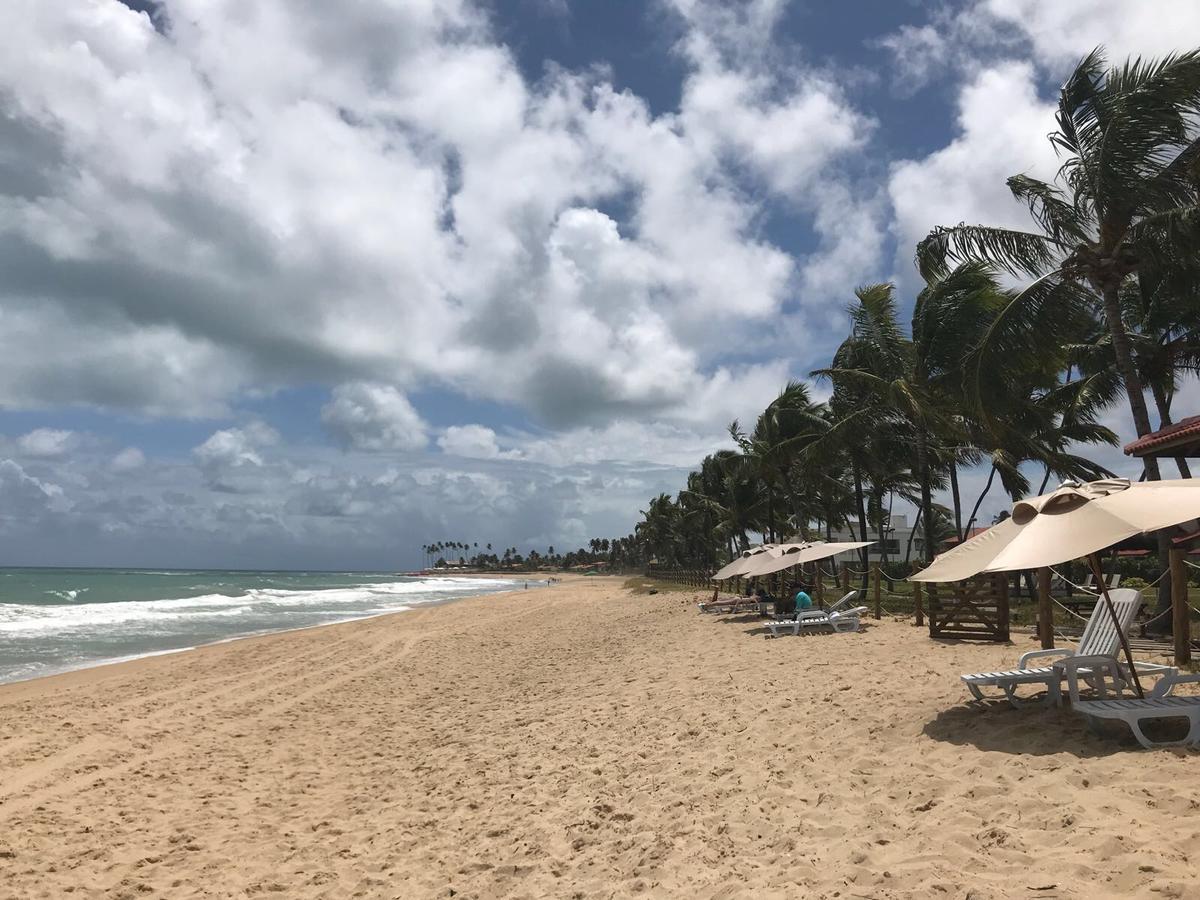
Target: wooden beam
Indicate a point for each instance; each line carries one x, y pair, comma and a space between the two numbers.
1045, 609
878, 598
1181, 625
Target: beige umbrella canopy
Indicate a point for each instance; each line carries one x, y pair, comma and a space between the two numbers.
1075, 520
737, 566
787, 555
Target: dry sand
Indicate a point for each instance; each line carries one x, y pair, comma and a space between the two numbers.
578, 741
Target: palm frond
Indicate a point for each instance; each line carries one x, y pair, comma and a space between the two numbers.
1016, 252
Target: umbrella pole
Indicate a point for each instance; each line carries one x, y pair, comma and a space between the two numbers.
1112, 611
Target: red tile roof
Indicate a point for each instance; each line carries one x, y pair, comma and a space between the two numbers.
1180, 431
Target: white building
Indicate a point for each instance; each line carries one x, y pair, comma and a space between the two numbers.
894, 541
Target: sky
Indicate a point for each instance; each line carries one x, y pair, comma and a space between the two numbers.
295, 284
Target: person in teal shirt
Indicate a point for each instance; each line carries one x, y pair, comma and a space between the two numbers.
803, 601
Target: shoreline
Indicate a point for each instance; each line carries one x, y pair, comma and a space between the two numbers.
151, 654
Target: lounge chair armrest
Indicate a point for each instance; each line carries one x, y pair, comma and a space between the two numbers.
1095, 661
1041, 654
1167, 683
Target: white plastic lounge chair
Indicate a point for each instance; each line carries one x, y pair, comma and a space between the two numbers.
837, 607
789, 624
839, 620
1114, 580
1157, 705
1100, 643
731, 605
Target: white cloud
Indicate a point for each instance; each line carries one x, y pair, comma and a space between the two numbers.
472, 441
1054, 36
1064, 31
377, 195
1002, 128
47, 443
373, 417
128, 459
237, 446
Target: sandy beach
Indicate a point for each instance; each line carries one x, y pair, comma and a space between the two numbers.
577, 741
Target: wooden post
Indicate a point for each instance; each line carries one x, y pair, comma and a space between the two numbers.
818, 584
1045, 609
845, 579
917, 610
1180, 618
1002, 615
878, 598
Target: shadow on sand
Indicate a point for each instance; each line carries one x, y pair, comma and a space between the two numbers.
994, 725
762, 629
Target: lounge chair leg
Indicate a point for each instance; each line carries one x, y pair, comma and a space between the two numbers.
1136, 727
975, 692
1010, 691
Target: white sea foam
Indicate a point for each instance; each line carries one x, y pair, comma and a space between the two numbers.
268, 606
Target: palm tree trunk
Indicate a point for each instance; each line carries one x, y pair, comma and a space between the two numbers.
978, 503
957, 501
1164, 419
911, 535
1141, 417
862, 522
926, 494
1045, 481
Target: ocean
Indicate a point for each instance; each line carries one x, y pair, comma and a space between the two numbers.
53, 620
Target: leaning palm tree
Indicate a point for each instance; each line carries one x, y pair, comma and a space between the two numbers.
1124, 199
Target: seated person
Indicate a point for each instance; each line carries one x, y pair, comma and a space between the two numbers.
802, 600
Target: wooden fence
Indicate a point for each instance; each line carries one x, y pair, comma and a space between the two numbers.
697, 578
976, 609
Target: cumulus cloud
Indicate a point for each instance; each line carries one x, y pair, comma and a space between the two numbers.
1052, 35
373, 417
128, 459
378, 195
473, 441
1062, 32
229, 457
47, 443
1003, 125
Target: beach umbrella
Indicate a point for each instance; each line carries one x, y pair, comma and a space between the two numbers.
785, 556
1074, 521
737, 567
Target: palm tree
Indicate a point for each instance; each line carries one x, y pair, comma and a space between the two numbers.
883, 386
789, 421
1125, 200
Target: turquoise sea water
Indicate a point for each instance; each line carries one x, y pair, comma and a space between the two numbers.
52, 620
